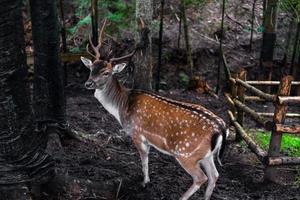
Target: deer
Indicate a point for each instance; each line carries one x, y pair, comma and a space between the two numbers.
189, 132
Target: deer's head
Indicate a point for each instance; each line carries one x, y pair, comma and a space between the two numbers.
101, 70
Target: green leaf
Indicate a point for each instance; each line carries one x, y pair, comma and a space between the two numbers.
261, 29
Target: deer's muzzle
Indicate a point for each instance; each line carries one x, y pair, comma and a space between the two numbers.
90, 85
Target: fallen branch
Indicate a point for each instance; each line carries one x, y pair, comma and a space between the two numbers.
235, 21
83, 137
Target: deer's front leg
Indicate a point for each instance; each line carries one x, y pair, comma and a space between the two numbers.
143, 147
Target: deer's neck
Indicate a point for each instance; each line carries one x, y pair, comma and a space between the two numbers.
113, 98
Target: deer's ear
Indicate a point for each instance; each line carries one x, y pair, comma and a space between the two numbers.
87, 62
118, 68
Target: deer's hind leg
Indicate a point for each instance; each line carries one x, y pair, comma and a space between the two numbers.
193, 168
143, 147
212, 174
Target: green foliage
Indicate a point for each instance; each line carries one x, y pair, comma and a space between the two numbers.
184, 79
289, 144
292, 6
82, 7
120, 12
83, 22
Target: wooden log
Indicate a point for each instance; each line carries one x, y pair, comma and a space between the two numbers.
291, 129
233, 89
268, 125
260, 153
288, 100
254, 98
231, 103
241, 96
269, 82
229, 99
273, 161
256, 91
291, 115
279, 116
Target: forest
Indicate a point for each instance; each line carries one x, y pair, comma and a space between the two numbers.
149, 99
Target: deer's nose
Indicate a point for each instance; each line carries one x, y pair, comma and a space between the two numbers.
89, 84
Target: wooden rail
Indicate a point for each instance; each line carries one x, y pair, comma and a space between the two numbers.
254, 98
284, 160
260, 153
290, 115
254, 90
270, 83
268, 125
288, 100
294, 129
237, 101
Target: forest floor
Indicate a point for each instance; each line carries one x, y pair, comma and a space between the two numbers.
114, 161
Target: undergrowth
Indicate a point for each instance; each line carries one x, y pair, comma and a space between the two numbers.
289, 144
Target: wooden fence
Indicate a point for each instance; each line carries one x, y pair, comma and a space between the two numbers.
237, 99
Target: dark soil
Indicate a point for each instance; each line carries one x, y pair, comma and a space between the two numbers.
114, 161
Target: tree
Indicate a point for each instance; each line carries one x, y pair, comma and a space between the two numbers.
22, 143
269, 37
186, 36
143, 61
49, 97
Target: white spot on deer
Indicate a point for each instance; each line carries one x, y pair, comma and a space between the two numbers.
193, 134
187, 144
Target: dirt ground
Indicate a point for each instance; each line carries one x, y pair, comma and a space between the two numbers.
114, 161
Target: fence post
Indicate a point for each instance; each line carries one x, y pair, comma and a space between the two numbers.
271, 172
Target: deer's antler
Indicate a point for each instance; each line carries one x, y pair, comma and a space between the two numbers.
96, 49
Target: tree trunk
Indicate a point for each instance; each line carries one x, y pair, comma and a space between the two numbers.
22, 157
187, 38
143, 60
269, 38
49, 97
287, 47
297, 76
161, 30
295, 50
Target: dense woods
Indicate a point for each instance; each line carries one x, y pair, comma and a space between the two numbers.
88, 86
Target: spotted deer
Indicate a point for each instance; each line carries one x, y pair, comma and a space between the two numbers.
189, 132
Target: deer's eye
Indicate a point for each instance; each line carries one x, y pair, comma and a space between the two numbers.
105, 73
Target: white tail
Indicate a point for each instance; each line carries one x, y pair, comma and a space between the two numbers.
189, 132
